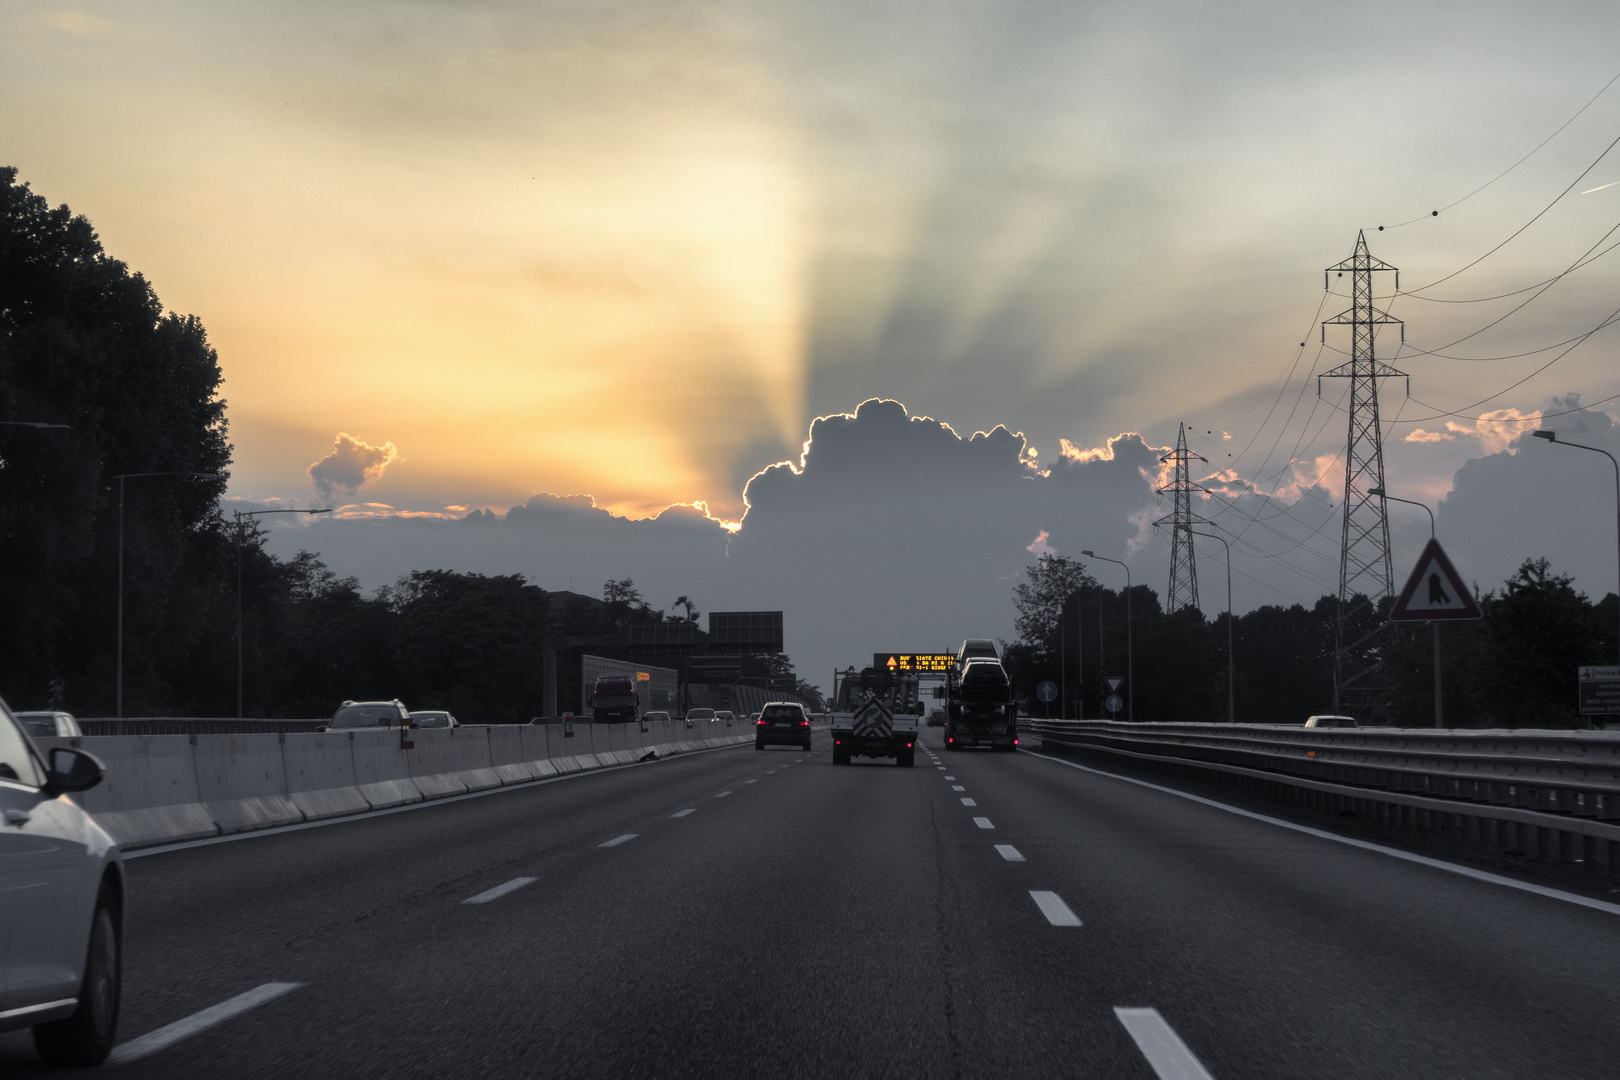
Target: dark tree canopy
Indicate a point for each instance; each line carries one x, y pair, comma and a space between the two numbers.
85, 342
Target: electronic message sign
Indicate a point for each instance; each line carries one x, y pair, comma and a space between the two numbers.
914, 663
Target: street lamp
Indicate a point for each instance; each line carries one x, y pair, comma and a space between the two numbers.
1130, 663
1439, 711
1231, 709
1552, 437
121, 477
240, 532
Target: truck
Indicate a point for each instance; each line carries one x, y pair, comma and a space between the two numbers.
614, 700
980, 708
875, 713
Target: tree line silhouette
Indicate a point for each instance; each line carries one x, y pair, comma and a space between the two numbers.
1515, 667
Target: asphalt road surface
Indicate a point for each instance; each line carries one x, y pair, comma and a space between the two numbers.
759, 914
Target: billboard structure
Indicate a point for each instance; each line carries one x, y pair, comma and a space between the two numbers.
745, 632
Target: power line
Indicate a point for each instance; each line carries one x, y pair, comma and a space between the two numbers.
1516, 164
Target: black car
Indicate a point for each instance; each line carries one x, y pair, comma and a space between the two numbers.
936, 718
782, 722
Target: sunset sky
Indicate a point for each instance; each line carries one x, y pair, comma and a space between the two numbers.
631, 249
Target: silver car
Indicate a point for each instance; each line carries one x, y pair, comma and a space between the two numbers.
46, 725
62, 887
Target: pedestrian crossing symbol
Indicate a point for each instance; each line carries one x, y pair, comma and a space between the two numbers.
1434, 592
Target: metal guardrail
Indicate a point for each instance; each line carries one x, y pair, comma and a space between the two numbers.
183, 725
1483, 784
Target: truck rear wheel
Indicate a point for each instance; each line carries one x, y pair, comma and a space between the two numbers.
840, 757
906, 758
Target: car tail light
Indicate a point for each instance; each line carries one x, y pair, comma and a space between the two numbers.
760, 721
950, 740
908, 746
804, 723
1015, 742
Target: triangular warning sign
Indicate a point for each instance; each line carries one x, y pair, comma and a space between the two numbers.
1113, 682
892, 663
1435, 591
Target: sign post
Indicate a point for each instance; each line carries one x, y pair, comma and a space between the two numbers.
1599, 690
1113, 702
1046, 691
1434, 593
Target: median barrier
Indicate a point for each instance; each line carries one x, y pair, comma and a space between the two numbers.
382, 773
242, 781
320, 775
167, 788
150, 791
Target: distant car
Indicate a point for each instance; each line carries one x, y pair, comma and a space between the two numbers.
352, 715
694, 715
657, 714
936, 718
433, 718
782, 722
63, 884
48, 725
1331, 721
727, 715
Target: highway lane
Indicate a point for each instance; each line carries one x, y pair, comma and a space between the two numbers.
768, 914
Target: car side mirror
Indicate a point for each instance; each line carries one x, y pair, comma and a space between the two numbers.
72, 770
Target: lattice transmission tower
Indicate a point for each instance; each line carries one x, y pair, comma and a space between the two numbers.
1183, 591
1364, 637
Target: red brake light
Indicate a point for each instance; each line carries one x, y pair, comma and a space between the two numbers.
760, 722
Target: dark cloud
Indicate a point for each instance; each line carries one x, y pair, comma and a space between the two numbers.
351, 464
893, 531
1536, 499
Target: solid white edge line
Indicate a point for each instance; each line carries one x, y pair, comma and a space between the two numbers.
617, 840
1159, 1043
683, 813
168, 1035
209, 841
1394, 853
499, 891
1010, 853
1052, 906
983, 823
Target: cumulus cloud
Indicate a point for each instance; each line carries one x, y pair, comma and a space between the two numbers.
351, 464
1418, 435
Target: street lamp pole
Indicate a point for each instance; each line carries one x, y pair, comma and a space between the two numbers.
1130, 661
1439, 710
240, 533
1231, 710
1552, 437
121, 477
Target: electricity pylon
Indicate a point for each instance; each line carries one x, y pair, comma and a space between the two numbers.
1183, 591
1364, 637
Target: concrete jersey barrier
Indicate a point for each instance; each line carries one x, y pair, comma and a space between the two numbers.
166, 788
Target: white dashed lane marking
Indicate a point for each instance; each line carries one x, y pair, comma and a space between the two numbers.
1163, 1048
722, 795
1052, 906
969, 802
956, 787
1009, 853
498, 891
165, 1037
983, 823
753, 781
617, 840
683, 813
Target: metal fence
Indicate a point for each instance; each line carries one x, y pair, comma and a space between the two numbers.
1556, 793
179, 725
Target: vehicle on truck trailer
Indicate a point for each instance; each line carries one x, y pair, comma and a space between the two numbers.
981, 709
614, 700
875, 713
